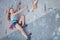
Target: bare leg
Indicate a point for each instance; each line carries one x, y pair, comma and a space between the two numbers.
22, 19
22, 31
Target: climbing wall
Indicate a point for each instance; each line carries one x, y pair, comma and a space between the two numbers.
32, 18
46, 27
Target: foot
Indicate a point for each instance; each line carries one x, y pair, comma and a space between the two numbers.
29, 36
24, 25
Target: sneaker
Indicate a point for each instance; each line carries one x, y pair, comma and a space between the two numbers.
24, 25
29, 36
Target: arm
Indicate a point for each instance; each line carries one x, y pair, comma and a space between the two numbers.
20, 10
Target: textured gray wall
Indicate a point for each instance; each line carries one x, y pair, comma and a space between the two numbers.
30, 17
46, 27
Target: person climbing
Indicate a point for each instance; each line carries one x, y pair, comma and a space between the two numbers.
17, 23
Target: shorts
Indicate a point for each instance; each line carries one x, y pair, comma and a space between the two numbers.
16, 22
13, 24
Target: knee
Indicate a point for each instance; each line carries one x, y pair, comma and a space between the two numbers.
22, 16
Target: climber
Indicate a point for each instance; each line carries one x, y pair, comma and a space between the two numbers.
17, 23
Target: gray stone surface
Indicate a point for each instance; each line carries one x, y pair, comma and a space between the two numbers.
30, 19
46, 27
